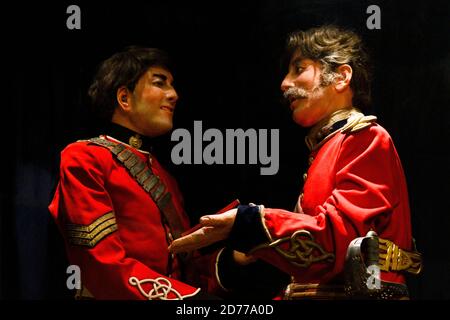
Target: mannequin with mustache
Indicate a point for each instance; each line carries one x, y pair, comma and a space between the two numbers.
354, 184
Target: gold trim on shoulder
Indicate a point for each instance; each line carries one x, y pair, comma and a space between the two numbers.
90, 235
323, 130
357, 122
303, 249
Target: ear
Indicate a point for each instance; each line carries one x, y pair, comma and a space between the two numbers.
123, 96
343, 82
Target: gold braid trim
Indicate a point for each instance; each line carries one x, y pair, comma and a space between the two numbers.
161, 288
90, 235
323, 130
392, 258
357, 122
303, 250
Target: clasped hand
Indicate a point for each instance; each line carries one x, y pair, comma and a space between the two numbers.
214, 228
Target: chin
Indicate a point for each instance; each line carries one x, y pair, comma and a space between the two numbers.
302, 120
304, 124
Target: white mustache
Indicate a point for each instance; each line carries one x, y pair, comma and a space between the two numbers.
294, 93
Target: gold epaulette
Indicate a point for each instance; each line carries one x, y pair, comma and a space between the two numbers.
347, 120
357, 122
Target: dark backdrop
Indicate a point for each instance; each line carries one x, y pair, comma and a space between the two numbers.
227, 57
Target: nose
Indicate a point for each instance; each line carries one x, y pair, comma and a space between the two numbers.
286, 83
172, 96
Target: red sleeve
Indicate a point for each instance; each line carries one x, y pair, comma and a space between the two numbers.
367, 177
82, 204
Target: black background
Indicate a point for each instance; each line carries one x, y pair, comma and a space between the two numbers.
227, 75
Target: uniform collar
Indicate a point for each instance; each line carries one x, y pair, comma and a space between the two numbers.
129, 137
329, 126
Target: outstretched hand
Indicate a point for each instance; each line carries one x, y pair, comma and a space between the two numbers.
214, 228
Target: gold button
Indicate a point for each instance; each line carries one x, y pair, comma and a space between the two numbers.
135, 141
305, 176
310, 160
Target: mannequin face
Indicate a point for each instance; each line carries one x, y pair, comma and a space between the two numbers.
149, 109
310, 100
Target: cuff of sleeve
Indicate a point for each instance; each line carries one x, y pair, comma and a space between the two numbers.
225, 266
248, 230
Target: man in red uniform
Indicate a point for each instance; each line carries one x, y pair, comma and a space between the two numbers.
354, 184
116, 206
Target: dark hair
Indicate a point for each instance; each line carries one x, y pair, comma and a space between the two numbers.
333, 46
122, 69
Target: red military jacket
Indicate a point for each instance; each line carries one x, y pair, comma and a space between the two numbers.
355, 183
113, 229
